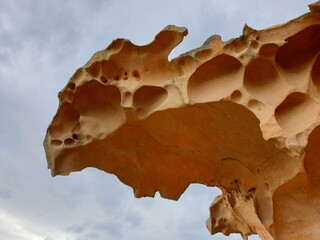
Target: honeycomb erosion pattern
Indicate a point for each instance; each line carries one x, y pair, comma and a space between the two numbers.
241, 115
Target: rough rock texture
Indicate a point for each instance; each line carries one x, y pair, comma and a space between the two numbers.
242, 115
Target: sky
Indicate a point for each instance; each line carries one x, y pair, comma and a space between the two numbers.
42, 43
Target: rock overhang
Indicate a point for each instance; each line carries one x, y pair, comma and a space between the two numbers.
242, 115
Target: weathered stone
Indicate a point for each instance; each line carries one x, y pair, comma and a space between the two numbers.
242, 115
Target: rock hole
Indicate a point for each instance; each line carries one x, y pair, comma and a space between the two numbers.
77, 74
94, 70
222, 221
56, 142
254, 44
300, 48
312, 153
214, 79
71, 86
260, 78
69, 141
238, 46
148, 98
296, 113
75, 136
236, 95
252, 190
136, 74
104, 79
99, 107
255, 105
315, 74
268, 50
109, 69
65, 120
116, 78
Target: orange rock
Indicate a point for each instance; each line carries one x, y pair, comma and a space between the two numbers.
242, 115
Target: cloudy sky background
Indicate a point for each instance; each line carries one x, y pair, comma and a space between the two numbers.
42, 43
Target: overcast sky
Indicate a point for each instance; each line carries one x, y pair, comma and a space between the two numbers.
42, 43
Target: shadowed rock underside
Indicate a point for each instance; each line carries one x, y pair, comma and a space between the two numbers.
241, 115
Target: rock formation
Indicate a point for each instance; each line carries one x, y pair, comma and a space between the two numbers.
241, 115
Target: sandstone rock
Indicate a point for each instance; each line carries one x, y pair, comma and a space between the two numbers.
241, 115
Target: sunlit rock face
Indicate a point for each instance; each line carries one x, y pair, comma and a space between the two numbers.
241, 115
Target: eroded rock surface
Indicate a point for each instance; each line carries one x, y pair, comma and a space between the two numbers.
241, 115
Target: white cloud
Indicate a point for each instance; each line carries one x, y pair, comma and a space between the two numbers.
12, 228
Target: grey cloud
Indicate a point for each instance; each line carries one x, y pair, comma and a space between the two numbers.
109, 229
134, 218
5, 193
75, 228
88, 236
49, 238
94, 230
